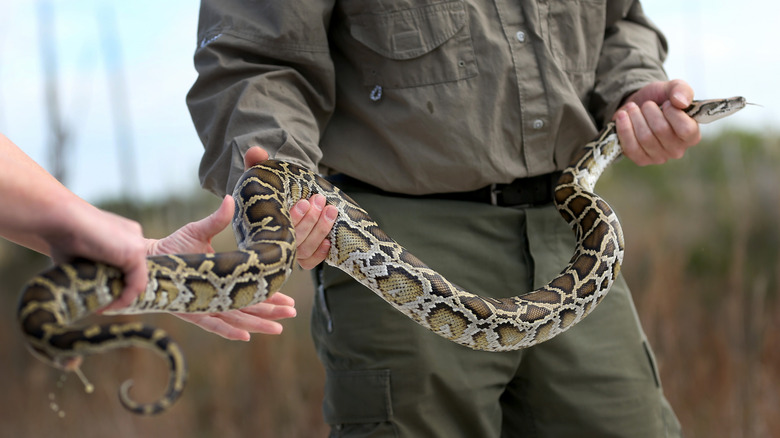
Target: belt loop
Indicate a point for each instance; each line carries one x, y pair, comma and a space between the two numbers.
494, 192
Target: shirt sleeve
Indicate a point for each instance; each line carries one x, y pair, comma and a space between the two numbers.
265, 78
632, 56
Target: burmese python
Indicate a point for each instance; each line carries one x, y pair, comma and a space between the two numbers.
53, 301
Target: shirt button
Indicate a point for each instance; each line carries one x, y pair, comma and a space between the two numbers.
538, 124
520, 35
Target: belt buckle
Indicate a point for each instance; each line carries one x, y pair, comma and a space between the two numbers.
494, 192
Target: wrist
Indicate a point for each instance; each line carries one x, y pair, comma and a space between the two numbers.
66, 218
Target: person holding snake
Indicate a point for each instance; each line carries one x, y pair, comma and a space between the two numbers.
450, 122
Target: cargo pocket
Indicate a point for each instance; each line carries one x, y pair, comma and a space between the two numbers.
412, 47
358, 403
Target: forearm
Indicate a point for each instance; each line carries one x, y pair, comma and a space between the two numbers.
265, 78
632, 57
35, 204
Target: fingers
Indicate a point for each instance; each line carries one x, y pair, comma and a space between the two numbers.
134, 265
679, 93
215, 325
117, 241
195, 237
208, 227
280, 299
313, 220
237, 325
684, 128
653, 135
136, 277
268, 310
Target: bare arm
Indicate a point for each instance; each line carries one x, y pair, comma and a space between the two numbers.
40, 213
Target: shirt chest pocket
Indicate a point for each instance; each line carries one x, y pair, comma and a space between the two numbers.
576, 33
412, 47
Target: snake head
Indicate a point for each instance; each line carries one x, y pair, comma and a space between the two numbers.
56, 359
706, 111
70, 363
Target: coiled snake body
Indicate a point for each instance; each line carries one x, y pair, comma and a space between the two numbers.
56, 299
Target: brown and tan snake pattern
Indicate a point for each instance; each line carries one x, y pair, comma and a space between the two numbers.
53, 302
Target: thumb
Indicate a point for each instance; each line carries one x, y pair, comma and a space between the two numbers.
212, 224
679, 93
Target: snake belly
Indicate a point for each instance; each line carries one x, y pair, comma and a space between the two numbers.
53, 302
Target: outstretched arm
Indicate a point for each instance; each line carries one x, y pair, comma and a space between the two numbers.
40, 213
45, 216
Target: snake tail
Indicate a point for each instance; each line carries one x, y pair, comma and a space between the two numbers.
136, 334
46, 316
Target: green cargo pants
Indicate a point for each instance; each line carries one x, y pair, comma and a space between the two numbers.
387, 376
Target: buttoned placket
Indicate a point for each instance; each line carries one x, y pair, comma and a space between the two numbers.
530, 87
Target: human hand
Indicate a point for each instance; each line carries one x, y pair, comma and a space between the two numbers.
238, 324
50, 219
652, 126
311, 218
89, 232
235, 324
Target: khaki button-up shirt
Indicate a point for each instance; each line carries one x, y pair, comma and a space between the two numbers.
413, 96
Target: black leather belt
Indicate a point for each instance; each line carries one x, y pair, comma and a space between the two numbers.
531, 191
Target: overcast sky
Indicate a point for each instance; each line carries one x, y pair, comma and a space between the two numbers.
723, 48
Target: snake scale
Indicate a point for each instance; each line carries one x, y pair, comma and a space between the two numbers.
54, 301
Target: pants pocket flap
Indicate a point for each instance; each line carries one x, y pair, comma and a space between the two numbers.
357, 397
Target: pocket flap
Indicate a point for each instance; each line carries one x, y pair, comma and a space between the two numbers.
409, 33
357, 397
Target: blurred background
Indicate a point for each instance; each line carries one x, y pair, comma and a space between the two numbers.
94, 91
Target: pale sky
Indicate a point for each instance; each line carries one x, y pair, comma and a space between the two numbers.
723, 48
